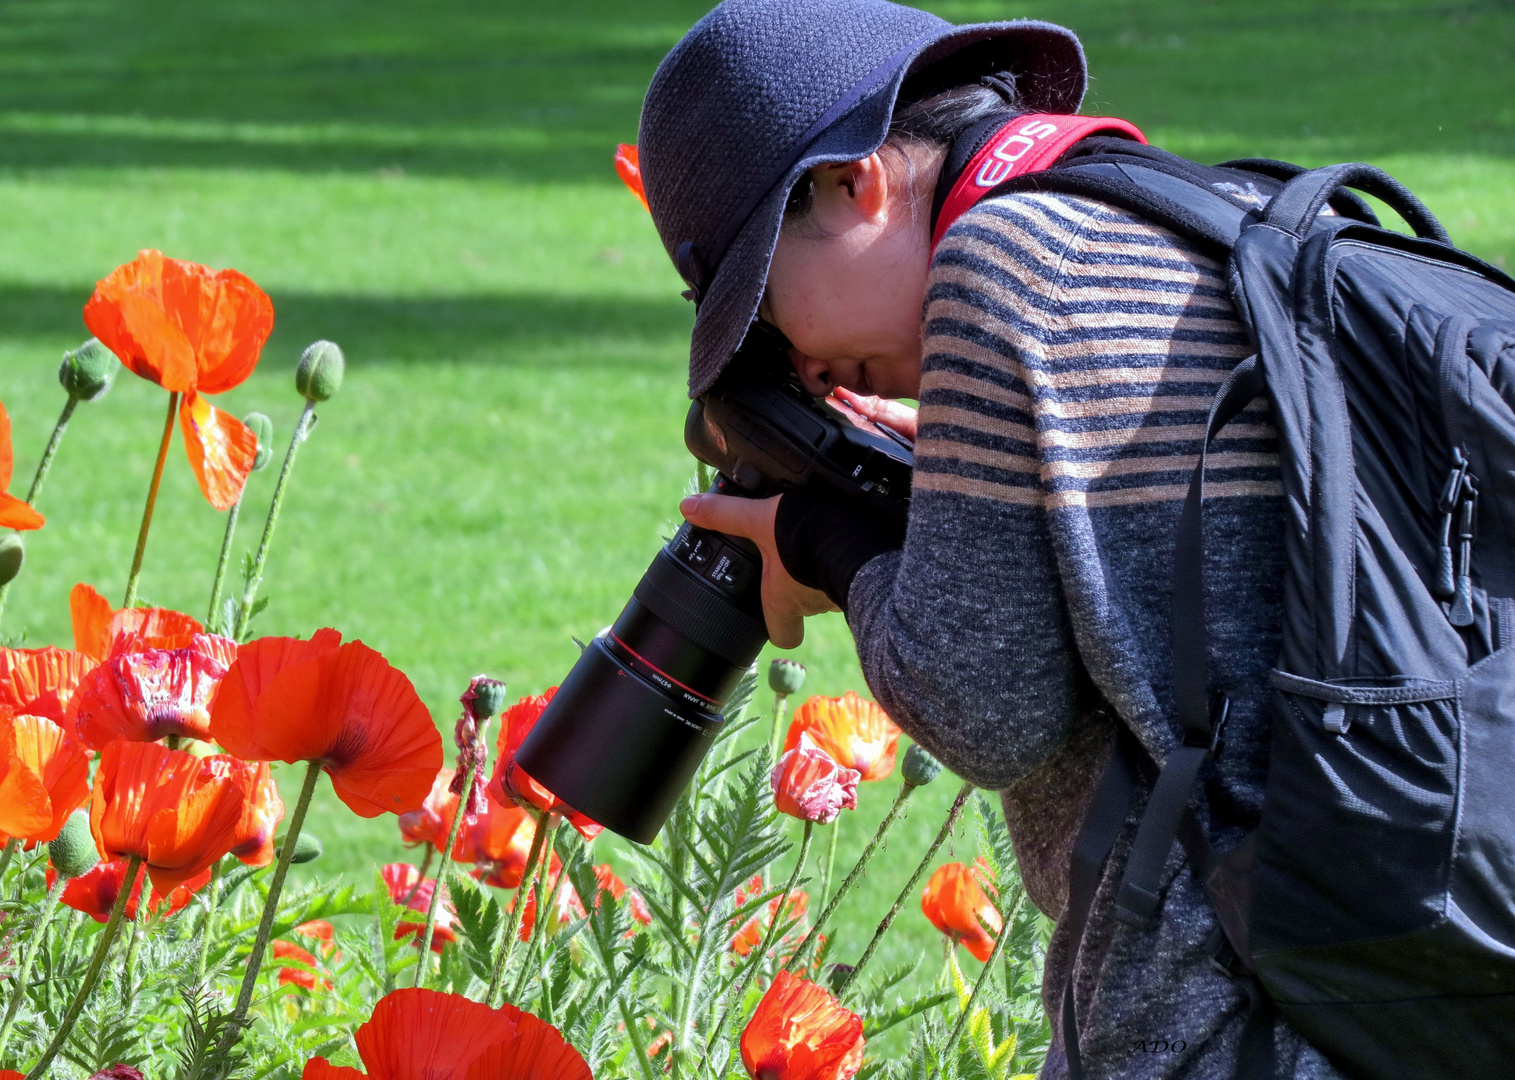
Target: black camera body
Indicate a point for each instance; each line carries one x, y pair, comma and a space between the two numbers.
632, 721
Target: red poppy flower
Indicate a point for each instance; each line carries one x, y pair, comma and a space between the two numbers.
262, 807
432, 822
290, 975
628, 166
14, 514
343, 706
163, 807
44, 777
810, 785
425, 1033
41, 682
407, 888
566, 905
321, 931
853, 730
94, 892
800, 1032
149, 694
194, 331
511, 784
499, 842
750, 936
98, 629
957, 906
617, 889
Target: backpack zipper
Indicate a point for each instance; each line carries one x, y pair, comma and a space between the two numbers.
1458, 505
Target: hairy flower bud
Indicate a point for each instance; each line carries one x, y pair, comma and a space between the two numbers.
786, 676
319, 375
12, 555
308, 848
87, 372
73, 851
263, 428
919, 766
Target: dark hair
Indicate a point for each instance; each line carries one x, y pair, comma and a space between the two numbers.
934, 120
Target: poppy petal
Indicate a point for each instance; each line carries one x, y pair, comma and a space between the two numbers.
258, 663
226, 318
537, 1051
221, 450
7, 461
415, 1033
321, 1069
60, 763
41, 682
15, 514
628, 167
148, 694
128, 315
24, 804
91, 615
183, 840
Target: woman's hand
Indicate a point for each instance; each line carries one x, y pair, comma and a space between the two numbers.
892, 414
785, 601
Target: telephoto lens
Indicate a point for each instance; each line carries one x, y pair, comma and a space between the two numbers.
631, 723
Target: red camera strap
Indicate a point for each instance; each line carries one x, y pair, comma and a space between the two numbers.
1026, 144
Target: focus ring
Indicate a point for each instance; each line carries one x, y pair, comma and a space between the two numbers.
700, 612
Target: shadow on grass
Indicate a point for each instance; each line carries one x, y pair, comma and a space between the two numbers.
510, 330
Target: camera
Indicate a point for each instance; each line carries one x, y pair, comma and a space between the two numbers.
636, 715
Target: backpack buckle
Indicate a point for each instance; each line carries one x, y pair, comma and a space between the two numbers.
1211, 742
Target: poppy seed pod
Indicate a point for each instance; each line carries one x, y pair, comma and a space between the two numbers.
73, 850
88, 371
786, 676
308, 848
263, 428
919, 767
319, 375
488, 697
12, 555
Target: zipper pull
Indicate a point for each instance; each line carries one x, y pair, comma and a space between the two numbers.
1461, 614
1445, 585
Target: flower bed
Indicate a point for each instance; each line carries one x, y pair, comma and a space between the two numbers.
147, 928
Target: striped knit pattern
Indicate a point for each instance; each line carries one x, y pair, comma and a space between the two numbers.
1071, 352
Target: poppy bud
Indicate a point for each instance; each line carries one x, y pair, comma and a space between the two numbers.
836, 976
308, 848
73, 851
87, 372
919, 767
319, 375
484, 697
263, 428
12, 555
786, 676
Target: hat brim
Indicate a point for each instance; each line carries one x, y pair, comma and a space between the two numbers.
1050, 74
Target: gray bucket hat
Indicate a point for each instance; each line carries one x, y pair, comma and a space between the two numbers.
760, 91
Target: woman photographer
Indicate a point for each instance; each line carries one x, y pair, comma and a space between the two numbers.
1064, 354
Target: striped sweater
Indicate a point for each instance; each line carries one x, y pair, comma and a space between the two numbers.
1071, 351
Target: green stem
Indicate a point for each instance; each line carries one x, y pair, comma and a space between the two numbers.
28, 957
11, 847
545, 898
776, 737
92, 976
129, 991
734, 1005
836, 832
212, 902
517, 912
915, 878
637, 1046
271, 908
213, 617
853, 876
250, 592
425, 866
1006, 924
152, 501
424, 964
41, 474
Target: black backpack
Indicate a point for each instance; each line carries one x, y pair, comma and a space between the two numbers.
1374, 907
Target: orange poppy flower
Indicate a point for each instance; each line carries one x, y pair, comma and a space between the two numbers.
425, 1033
511, 784
290, 975
499, 842
800, 1032
262, 807
45, 778
98, 629
343, 706
321, 931
617, 889
406, 887
163, 807
194, 331
14, 514
41, 682
432, 822
146, 695
751, 934
810, 785
94, 892
628, 166
853, 730
957, 906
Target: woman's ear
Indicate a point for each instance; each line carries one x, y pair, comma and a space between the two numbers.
852, 192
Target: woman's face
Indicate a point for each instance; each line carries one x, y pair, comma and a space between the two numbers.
848, 281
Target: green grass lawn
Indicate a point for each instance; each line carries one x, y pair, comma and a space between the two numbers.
430, 185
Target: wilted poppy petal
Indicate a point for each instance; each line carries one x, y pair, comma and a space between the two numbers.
537, 1051
41, 682
810, 785
221, 450
153, 693
128, 314
226, 319
628, 167
24, 804
416, 1033
62, 765
258, 662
